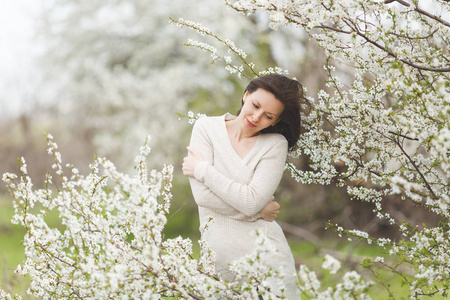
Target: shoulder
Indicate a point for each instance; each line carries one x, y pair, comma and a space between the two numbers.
274, 140
274, 144
208, 121
271, 147
206, 124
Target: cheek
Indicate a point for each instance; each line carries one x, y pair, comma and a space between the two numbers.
268, 123
249, 109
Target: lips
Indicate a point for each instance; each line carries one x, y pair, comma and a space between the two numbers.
249, 123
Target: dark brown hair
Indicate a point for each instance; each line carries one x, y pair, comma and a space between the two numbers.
290, 93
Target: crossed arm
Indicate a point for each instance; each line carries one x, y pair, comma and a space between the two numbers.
221, 194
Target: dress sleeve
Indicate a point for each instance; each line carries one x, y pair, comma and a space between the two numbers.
203, 196
249, 198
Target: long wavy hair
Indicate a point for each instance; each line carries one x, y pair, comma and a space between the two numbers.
290, 93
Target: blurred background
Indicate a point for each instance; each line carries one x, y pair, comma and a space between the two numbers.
102, 75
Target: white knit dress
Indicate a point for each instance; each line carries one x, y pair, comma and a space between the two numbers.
232, 190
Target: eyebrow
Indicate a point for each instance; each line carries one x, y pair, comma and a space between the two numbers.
266, 111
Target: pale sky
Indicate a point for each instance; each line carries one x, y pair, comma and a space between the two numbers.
17, 47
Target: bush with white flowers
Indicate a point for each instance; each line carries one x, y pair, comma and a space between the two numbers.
111, 244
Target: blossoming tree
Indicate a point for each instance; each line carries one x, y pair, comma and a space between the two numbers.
383, 131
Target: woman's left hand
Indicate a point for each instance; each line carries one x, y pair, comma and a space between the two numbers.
191, 162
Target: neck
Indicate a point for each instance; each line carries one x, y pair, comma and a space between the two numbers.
235, 130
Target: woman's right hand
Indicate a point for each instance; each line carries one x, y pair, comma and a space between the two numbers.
270, 211
191, 162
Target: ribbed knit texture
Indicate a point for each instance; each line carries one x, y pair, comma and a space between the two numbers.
232, 190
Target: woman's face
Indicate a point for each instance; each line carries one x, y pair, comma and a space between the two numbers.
260, 110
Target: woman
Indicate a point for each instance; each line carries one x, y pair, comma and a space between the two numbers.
235, 165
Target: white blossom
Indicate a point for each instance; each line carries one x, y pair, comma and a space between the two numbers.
331, 264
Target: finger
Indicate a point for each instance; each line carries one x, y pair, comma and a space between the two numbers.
190, 149
193, 151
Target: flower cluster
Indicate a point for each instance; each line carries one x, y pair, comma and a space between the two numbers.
331, 264
6, 296
244, 69
426, 250
352, 286
192, 117
231, 47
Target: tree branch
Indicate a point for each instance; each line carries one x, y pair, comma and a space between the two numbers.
411, 161
420, 11
415, 38
349, 23
404, 136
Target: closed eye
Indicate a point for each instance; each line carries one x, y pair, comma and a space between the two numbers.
257, 107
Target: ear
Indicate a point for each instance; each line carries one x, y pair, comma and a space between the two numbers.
245, 96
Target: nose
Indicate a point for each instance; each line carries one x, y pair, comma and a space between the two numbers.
256, 116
